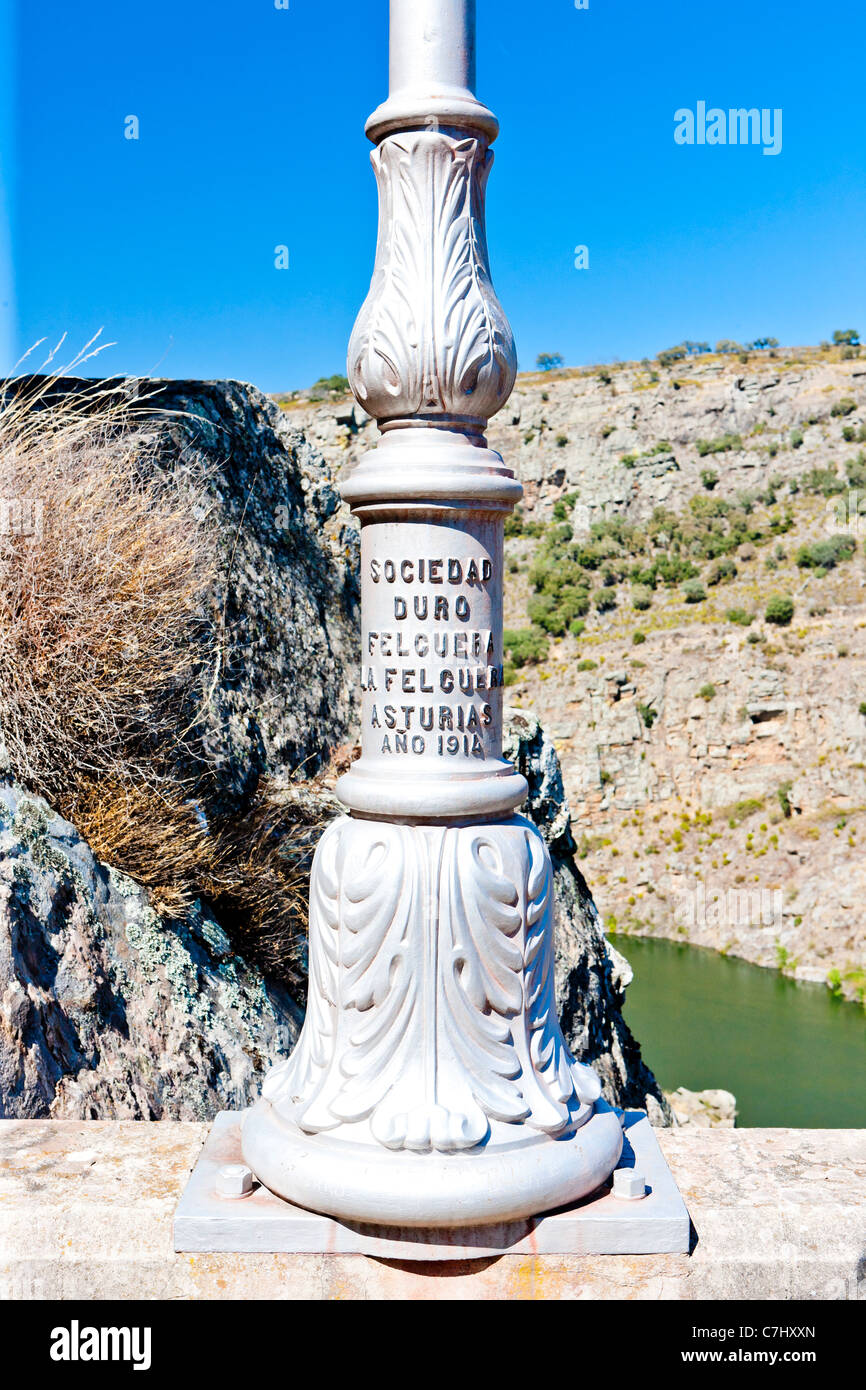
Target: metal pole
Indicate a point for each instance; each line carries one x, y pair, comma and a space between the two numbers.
431, 1085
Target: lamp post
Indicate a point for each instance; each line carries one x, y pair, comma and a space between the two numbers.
431, 1085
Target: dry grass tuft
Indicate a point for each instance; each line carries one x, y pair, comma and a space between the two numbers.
253, 871
104, 575
107, 637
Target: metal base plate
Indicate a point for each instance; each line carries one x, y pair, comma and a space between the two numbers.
599, 1225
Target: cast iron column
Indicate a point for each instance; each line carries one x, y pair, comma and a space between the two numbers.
431, 1085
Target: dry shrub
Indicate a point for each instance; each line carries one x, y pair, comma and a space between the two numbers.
103, 611
108, 641
253, 871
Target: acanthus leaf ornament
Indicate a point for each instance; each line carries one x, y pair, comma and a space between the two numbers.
436, 1023
431, 337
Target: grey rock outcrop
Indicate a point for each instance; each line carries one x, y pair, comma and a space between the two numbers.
108, 1011
288, 589
712, 1109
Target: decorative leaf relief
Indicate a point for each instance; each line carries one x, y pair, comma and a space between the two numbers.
389, 321
376, 986
481, 973
440, 942
431, 335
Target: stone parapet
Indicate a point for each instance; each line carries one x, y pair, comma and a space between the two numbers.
86, 1212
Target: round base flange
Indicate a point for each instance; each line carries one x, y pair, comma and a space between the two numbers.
364, 1182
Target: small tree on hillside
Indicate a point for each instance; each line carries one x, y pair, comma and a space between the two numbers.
846, 337
546, 361
779, 610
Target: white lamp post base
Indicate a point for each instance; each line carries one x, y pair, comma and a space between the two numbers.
364, 1182
431, 1082
639, 1213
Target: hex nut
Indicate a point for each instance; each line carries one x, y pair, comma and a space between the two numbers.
628, 1184
234, 1180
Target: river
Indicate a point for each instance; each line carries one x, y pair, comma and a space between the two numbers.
792, 1054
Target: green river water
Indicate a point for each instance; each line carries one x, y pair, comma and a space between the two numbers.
793, 1055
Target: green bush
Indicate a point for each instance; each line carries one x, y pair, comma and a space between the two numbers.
721, 570
638, 638
526, 646
605, 600
721, 445
844, 407
694, 591
577, 628
648, 715
563, 505
779, 610
334, 383
587, 665
641, 597
707, 692
554, 612
670, 569
709, 478
822, 481
796, 439
855, 470
739, 616
825, 555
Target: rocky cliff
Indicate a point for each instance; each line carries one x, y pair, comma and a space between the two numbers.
713, 746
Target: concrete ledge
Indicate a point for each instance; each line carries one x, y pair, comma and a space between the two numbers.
86, 1212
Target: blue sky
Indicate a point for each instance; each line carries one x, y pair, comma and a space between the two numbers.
251, 136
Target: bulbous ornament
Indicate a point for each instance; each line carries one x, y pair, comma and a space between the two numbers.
431, 339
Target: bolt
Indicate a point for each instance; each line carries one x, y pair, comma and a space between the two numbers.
234, 1180
628, 1184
